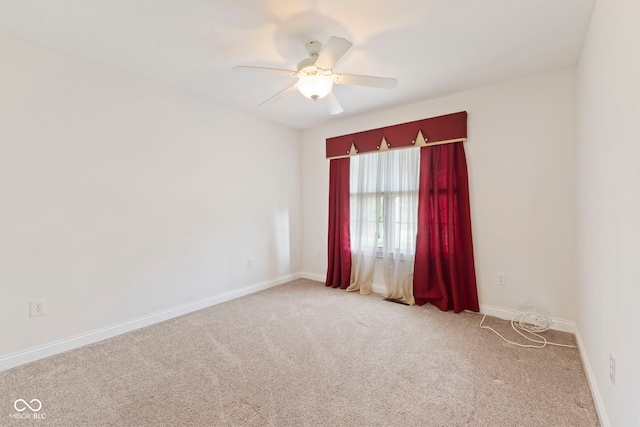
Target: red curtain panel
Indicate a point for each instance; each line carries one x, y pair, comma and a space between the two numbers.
339, 242
444, 273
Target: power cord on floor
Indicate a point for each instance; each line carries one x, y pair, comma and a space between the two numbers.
530, 322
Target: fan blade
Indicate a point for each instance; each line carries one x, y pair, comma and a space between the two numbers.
332, 52
332, 103
265, 70
280, 94
354, 79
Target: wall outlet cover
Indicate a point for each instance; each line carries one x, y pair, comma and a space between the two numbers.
37, 307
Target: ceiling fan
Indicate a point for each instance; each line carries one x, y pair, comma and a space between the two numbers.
316, 77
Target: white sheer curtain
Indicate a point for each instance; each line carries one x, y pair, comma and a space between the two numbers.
365, 220
384, 206
400, 222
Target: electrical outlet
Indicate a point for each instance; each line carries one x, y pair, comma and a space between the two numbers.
37, 307
502, 279
612, 369
249, 264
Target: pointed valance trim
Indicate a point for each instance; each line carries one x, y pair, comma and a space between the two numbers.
421, 133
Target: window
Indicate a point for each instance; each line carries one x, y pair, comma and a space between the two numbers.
384, 202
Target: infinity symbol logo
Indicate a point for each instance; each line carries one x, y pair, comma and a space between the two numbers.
26, 405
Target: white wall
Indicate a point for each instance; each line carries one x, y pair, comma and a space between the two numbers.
522, 167
121, 198
608, 119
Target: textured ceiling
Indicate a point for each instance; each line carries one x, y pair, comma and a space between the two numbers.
433, 47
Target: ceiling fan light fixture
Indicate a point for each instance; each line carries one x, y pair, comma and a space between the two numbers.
315, 75
315, 85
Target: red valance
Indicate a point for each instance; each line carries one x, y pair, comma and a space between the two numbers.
448, 128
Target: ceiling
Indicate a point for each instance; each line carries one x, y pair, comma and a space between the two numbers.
433, 47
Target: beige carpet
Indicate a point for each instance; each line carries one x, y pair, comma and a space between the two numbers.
303, 354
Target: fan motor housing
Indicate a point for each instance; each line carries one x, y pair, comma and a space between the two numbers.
306, 63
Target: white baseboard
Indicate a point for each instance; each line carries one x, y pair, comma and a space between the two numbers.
507, 314
313, 276
593, 385
379, 289
60, 346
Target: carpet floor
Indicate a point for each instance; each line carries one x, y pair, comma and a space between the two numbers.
301, 354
